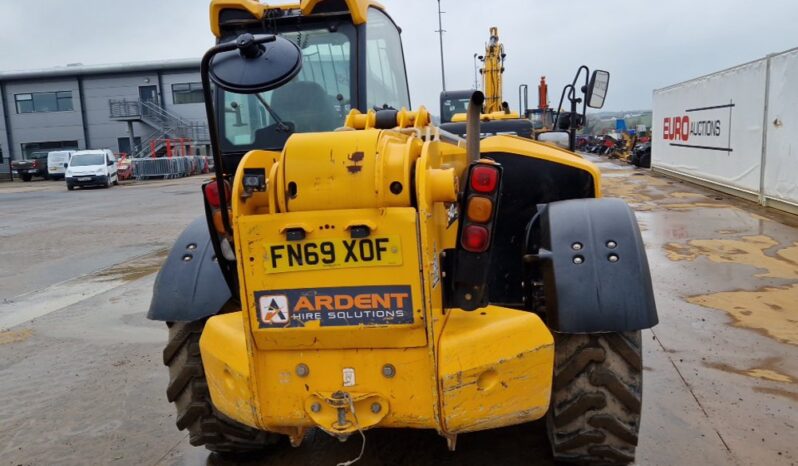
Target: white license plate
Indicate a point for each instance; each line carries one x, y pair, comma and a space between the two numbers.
84, 178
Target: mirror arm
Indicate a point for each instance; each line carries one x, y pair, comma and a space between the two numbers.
559, 106
213, 128
584, 91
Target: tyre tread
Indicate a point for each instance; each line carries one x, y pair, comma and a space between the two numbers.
188, 390
596, 398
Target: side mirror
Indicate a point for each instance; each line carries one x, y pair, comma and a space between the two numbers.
558, 138
256, 64
66, 165
110, 162
597, 88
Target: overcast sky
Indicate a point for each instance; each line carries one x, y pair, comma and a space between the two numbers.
645, 44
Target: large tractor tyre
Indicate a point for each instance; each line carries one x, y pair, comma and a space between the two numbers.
188, 390
596, 398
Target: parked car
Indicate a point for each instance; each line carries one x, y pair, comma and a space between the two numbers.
57, 162
92, 168
34, 165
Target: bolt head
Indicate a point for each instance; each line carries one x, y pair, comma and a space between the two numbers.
612, 244
302, 370
576, 246
376, 408
578, 260
388, 371
613, 258
468, 296
315, 407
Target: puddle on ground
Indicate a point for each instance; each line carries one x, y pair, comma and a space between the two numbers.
766, 372
748, 250
134, 269
58, 296
771, 310
778, 392
14, 336
683, 195
769, 374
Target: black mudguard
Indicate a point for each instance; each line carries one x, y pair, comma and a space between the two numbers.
591, 259
190, 284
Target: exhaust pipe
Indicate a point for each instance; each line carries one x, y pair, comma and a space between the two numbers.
472, 125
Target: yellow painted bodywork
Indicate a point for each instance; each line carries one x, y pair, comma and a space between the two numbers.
500, 115
455, 371
494, 368
357, 8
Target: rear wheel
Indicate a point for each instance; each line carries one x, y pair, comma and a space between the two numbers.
596, 398
26, 177
188, 390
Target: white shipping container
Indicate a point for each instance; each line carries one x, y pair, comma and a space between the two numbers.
734, 129
781, 147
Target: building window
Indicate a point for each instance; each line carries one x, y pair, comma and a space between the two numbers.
30, 148
187, 93
60, 101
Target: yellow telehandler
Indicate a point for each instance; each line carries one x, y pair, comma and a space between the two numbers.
358, 267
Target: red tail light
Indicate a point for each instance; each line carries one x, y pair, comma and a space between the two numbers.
476, 238
212, 194
484, 178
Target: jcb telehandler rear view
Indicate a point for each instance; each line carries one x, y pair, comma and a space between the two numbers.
358, 267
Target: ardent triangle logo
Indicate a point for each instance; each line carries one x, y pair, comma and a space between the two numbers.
274, 309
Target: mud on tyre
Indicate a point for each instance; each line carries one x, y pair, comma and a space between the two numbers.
594, 416
188, 390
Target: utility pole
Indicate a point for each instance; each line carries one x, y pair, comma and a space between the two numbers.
440, 32
476, 81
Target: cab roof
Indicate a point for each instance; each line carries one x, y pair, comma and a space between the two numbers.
256, 10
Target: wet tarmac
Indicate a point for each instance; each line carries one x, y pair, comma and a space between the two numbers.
81, 378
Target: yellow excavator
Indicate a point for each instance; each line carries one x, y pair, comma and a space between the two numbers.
358, 267
454, 103
497, 117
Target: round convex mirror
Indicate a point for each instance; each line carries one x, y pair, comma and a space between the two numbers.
258, 64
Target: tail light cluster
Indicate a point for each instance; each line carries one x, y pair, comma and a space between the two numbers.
482, 196
469, 264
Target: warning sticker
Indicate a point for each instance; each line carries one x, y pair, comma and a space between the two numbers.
340, 306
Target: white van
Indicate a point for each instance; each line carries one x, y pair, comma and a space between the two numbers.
91, 168
57, 162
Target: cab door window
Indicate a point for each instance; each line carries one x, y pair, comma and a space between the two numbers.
386, 80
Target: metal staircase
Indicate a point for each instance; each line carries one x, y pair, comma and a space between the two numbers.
169, 128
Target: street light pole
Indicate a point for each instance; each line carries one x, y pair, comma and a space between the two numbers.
440, 32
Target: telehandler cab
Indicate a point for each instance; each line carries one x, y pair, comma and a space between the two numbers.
360, 268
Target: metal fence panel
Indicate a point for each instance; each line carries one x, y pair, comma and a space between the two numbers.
169, 167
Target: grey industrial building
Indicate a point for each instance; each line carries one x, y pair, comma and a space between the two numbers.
132, 108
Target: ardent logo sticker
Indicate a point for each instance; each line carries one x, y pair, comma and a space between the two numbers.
273, 309
336, 307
